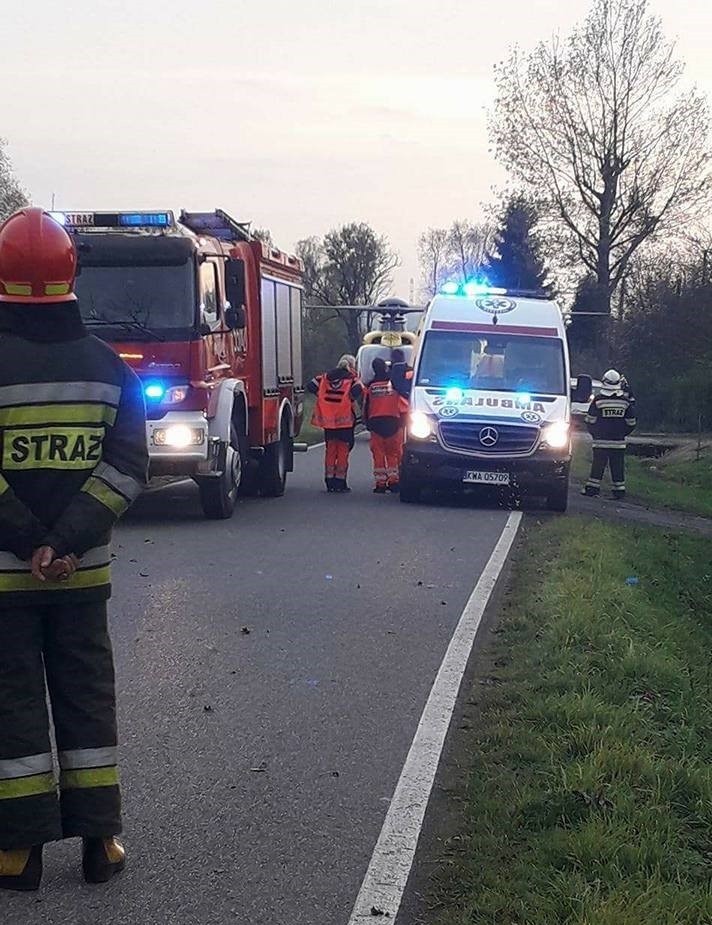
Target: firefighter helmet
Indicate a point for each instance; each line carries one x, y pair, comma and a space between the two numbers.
612, 382
38, 260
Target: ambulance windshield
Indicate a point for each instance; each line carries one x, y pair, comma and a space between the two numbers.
157, 297
496, 363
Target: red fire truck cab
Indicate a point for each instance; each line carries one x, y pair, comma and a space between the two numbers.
210, 319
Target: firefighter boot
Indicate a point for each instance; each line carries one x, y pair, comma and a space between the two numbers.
102, 858
331, 485
589, 491
618, 494
21, 870
380, 490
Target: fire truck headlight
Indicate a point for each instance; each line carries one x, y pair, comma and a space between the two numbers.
557, 435
179, 436
420, 426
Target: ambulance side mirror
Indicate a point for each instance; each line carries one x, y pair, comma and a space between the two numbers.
582, 390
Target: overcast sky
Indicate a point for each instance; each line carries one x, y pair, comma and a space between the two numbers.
296, 114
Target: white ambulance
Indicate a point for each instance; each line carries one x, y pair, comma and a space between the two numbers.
491, 397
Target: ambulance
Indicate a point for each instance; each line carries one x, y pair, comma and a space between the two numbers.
492, 396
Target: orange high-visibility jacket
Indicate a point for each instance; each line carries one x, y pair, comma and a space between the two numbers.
334, 408
382, 401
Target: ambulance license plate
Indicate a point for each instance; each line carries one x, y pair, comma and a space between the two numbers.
486, 478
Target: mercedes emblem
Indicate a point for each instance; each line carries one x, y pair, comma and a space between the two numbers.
489, 437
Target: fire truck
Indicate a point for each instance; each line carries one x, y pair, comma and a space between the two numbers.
210, 318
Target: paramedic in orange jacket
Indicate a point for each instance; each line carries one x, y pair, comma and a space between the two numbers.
336, 392
382, 416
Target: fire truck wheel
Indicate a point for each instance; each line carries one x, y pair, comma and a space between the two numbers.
275, 464
219, 495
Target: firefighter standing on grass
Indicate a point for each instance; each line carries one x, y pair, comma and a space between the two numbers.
336, 392
72, 458
382, 417
610, 419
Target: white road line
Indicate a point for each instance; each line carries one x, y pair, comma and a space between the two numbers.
385, 881
315, 446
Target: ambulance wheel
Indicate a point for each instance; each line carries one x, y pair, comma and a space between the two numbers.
558, 498
218, 496
275, 464
408, 492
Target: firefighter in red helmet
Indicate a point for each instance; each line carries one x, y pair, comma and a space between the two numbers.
72, 458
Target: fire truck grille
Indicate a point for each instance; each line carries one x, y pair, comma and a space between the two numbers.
481, 437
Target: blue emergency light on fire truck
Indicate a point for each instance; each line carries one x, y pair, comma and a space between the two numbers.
210, 319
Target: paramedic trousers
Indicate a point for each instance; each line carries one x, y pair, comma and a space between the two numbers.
67, 648
339, 444
615, 458
387, 452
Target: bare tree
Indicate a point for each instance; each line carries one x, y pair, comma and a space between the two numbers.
433, 253
598, 127
264, 235
468, 247
12, 196
352, 266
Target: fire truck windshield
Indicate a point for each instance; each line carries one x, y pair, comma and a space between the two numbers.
142, 299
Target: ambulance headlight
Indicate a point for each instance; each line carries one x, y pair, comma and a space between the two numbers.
556, 435
179, 436
420, 425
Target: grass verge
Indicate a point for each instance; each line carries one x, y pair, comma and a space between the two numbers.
682, 486
590, 797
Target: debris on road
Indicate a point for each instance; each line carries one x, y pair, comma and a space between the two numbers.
246, 630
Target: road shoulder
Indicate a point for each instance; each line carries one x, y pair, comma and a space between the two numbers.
576, 783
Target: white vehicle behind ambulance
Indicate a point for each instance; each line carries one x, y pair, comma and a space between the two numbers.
491, 398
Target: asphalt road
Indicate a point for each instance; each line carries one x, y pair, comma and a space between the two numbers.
272, 670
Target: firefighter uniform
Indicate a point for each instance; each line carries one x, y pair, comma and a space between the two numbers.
610, 418
382, 416
73, 458
334, 411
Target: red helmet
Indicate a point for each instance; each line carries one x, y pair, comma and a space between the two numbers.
38, 260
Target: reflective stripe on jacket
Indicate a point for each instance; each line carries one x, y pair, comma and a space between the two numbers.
334, 409
382, 401
610, 419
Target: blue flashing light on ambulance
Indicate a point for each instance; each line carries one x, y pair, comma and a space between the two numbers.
491, 398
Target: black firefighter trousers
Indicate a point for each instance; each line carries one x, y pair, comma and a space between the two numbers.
603, 457
67, 648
